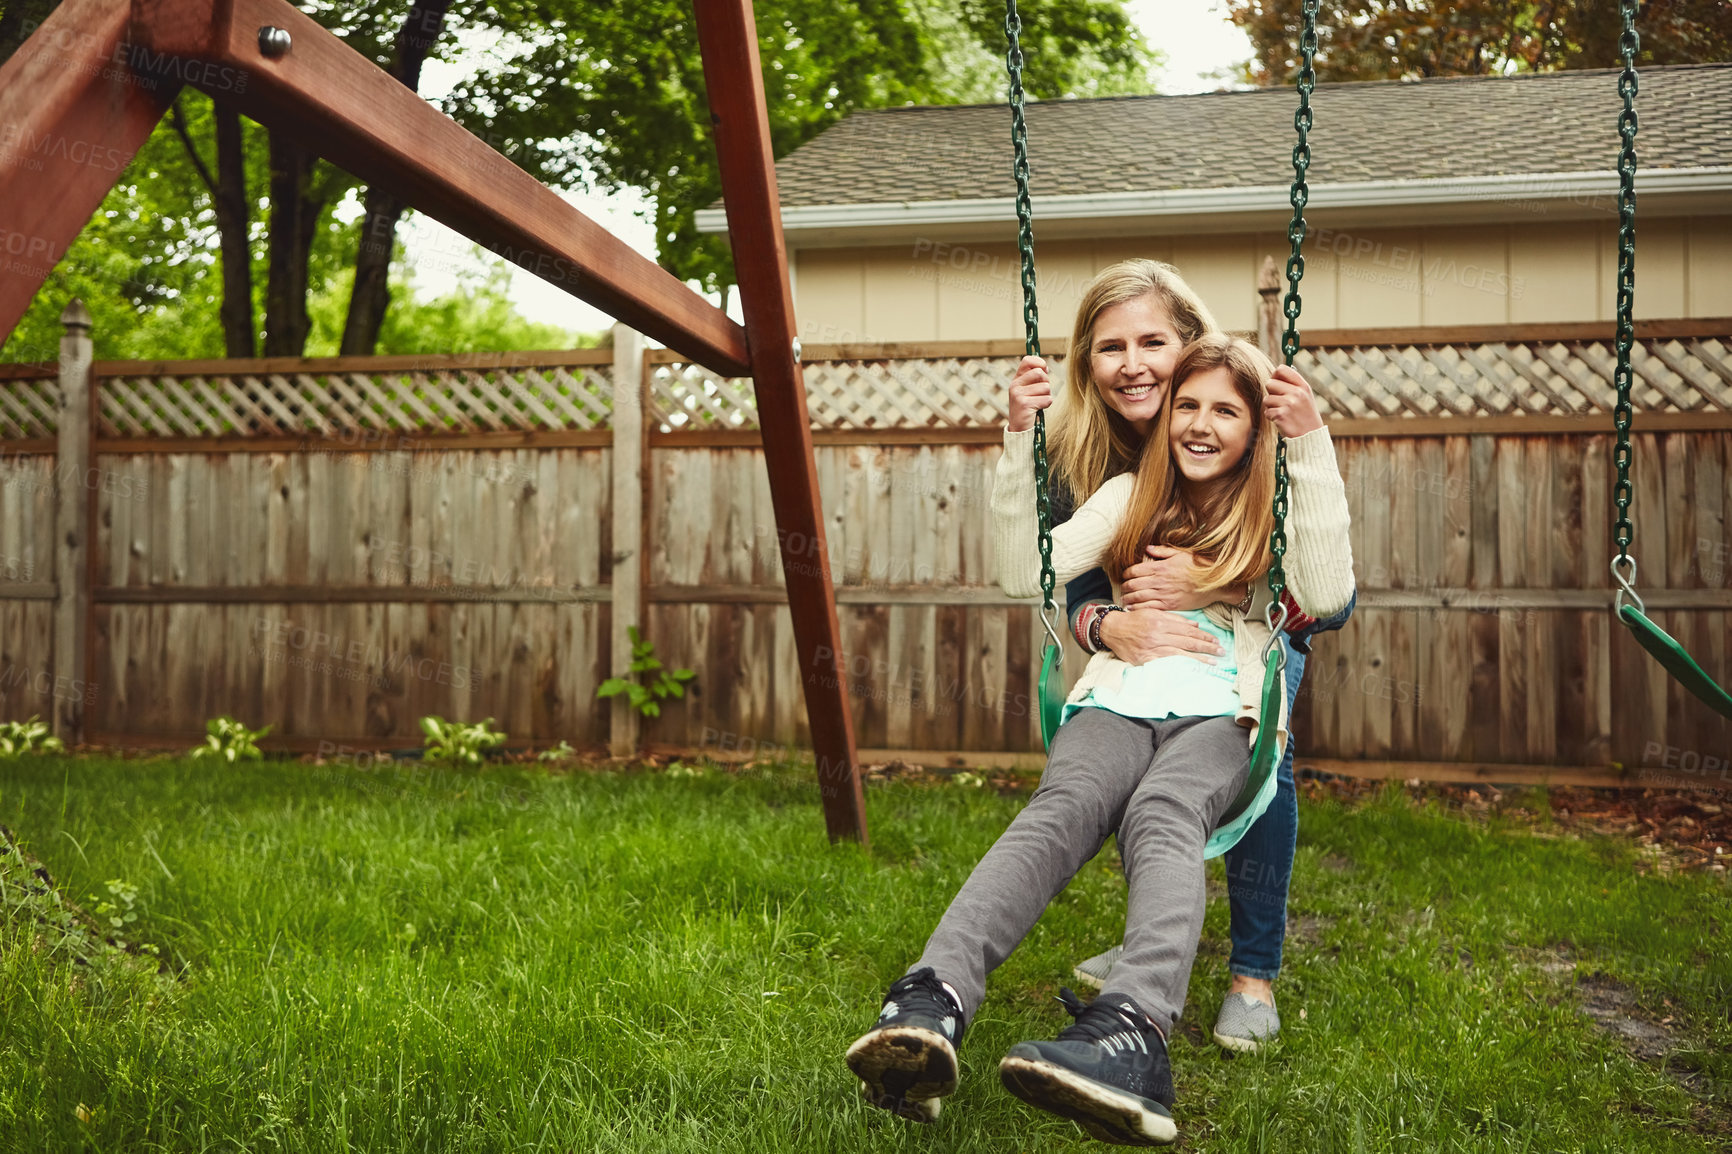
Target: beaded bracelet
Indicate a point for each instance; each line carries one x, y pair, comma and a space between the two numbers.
1101, 611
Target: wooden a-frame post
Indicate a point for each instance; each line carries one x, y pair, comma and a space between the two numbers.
99, 74
733, 77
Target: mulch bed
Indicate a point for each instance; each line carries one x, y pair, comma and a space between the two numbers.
1691, 830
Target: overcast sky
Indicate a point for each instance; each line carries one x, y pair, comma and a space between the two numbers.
1199, 42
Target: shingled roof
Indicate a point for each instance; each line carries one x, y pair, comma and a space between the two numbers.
1562, 122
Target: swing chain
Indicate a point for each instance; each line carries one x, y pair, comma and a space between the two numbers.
1622, 531
1030, 313
1291, 305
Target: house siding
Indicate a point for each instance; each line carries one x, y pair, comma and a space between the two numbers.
1503, 273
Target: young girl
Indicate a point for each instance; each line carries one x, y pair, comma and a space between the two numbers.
1133, 319
1155, 752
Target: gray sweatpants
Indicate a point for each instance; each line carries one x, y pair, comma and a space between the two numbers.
1162, 785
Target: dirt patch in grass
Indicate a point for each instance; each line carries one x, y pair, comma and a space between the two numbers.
1613, 1008
1308, 928
1649, 1036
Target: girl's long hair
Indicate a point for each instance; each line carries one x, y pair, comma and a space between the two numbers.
1228, 529
1089, 441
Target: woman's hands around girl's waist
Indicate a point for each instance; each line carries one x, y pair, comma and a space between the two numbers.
1139, 637
1030, 392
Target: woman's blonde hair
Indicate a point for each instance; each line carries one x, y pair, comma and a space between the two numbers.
1228, 528
1090, 442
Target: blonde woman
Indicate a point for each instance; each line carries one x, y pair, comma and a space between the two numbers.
1155, 752
1132, 321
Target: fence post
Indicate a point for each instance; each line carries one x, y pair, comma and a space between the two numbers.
628, 525
72, 525
1269, 310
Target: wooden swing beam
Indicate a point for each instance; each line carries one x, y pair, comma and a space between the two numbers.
83, 93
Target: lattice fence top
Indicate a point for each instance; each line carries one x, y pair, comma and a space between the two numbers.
28, 407
334, 404
1533, 378
326, 404
1515, 378
949, 392
1537, 378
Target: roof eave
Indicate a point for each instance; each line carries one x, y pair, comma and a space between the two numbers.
1377, 203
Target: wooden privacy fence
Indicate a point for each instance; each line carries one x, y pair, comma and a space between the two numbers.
340, 547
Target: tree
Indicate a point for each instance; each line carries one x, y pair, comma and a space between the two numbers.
476, 316
595, 96
605, 96
372, 291
1412, 39
304, 188
228, 190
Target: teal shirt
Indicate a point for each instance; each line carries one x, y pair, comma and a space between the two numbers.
1179, 686
1175, 686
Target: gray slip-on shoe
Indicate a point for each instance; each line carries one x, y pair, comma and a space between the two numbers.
1094, 971
1245, 1024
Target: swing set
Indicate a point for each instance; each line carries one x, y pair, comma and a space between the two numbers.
100, 74
1630, 610
96, 76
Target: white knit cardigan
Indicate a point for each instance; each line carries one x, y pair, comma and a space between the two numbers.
1319, 559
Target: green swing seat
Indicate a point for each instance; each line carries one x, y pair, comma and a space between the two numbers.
1676, 659
1264, 755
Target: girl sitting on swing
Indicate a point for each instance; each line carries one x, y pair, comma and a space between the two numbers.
1138, 314
1156, 752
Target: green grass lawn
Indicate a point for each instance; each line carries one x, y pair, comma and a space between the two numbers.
390, 959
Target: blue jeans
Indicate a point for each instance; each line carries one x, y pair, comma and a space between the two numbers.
1258, 870
1260, 866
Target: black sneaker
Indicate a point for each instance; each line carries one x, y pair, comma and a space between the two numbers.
908, 1060
1107, 1071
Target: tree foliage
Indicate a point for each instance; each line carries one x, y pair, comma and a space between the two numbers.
608, 97
591, 97
1414, 39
